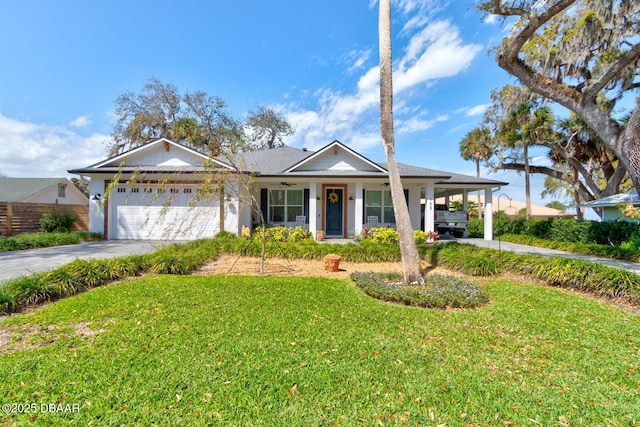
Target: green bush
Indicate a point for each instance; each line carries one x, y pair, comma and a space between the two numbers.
53, 222
384, 235
281, 233
439, 291
43, 240
569, 230
625, 251
563, 272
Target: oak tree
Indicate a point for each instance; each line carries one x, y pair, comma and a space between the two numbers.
583, 55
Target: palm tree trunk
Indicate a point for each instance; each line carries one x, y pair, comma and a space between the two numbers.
408, 248
576, 198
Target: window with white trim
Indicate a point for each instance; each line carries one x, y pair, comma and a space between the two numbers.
379, 203
285, 205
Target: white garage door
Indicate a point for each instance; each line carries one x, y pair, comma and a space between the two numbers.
145, 213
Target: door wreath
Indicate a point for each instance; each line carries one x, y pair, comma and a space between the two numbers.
333, 197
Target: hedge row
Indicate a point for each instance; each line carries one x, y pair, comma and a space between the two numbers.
628, 251
83, 274
44, 240
562, 230
563, 272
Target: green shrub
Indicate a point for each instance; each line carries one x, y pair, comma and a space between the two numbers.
564, 230
563, 272
53, 222
624, 251
475, 228
281, 233
384, 235
468, 263
43, 240
439, 291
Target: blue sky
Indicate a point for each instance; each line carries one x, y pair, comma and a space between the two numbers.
65, 63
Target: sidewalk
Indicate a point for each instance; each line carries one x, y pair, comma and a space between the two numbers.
544, 252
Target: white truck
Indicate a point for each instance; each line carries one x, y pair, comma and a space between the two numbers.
452, 221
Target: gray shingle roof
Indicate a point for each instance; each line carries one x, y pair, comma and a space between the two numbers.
268, 162
20, 189
274, 162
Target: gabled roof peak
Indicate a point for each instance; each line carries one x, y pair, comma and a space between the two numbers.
335, 145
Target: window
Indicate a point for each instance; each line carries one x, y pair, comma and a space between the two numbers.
121, 190
285, 205
379, 203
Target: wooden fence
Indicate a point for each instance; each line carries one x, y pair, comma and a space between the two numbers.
17, 218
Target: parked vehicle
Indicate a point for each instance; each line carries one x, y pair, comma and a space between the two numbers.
451, 221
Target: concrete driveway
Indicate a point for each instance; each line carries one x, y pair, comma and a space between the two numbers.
20, 263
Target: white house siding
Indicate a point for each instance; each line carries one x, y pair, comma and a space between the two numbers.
336, 161
96, 207
161, 155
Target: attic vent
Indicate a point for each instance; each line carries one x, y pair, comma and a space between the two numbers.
166, 146
304, 149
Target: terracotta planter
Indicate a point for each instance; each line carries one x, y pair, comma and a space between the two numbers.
332, 262
319, 236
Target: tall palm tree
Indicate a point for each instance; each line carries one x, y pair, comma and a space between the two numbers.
476, 145
408, 248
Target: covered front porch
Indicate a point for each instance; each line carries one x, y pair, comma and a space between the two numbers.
344, 207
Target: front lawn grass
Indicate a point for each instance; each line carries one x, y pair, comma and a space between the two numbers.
271, 351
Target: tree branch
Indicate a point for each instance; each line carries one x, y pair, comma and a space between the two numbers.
592, 89
553, 173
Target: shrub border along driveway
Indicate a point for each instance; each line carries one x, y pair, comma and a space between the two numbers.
547, 252
18, 263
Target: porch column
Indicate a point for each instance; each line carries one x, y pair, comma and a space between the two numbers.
358, 210
313, 208
429, 207
488, 213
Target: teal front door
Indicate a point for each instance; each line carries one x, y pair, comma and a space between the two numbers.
334, 200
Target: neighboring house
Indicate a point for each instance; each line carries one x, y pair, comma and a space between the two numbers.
611, 208
156, 192
514, 207
23, 201
41, 190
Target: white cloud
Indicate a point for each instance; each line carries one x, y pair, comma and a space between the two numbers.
491, 19
80, 122
434, 52
474, 111
36, 150
417, 124
358, 59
